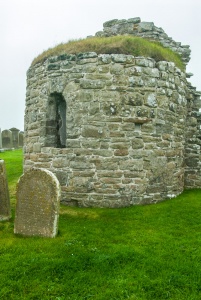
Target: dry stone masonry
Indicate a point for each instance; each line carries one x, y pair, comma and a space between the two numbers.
37, 209
116, 130
5, 212
147, 30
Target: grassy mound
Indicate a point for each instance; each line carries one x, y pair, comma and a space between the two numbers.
114, 45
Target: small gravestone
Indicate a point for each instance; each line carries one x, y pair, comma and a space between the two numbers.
0, 139
7, 139
5, 213
15, 137
21, 139
37, 208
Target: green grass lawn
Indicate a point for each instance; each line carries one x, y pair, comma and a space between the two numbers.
142, 252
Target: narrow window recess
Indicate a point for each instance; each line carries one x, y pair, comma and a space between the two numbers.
56, 121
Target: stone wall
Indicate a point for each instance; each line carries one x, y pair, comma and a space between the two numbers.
193, 139
147, 30
125, 123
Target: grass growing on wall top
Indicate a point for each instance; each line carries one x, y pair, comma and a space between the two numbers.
136, 46
148, 252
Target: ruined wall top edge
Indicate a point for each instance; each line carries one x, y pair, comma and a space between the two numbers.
58, 63
134, 26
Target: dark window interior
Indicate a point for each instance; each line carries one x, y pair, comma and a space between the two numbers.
56, 121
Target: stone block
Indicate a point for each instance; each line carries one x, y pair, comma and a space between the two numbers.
107, 164
145, 26
120, 146
151, 100
93, 131
92, 84
137, 143
105, 58
60, 162
5, 212
122, 58
116, 69
121, 152
37, 147
37, 209
131, 165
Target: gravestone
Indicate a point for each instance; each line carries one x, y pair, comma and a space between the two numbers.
0, 139
7, 139
21, 139
37, 209
15, 137
5, 213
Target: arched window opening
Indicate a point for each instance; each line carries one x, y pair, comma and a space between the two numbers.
56, 121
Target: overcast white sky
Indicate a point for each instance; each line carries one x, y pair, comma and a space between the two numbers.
28, 27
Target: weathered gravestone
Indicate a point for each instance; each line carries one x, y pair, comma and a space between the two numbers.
21, 139
15, 137
0, 139
38, 199
7, 139
5, 213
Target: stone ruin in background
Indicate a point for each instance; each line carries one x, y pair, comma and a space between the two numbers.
115, 129
11, 138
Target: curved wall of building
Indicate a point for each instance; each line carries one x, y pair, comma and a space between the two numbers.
111, 127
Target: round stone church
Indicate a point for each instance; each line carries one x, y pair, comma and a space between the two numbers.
116, 129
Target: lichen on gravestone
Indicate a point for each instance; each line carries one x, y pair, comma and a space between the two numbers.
5, 212
37, 209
